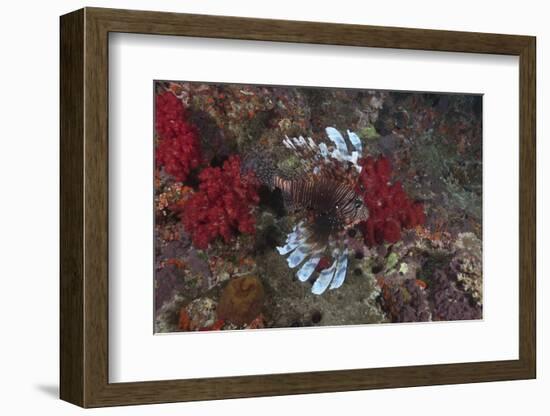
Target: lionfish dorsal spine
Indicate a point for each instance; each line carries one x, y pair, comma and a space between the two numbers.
324, 150
338, 140
355, 141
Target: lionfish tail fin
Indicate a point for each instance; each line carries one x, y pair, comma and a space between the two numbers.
341, 151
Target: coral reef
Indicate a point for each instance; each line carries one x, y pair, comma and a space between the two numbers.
222, 206
390, 209
406, 302
449, 302
241, 300
417, 258
178, 146
199, 314
466, 264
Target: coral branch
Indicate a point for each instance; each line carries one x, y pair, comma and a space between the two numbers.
223, 204
178, 148
390, 209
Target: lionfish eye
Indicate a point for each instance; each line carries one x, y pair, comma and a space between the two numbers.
358, 203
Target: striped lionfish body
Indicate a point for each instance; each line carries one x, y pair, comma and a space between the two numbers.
325, 198
331, 206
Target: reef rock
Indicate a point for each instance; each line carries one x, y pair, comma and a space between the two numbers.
201, 313
467, 264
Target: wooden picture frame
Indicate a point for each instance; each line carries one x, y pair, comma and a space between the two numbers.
84, 207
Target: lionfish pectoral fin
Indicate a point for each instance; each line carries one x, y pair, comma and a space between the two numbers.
298, 256
287, 248
341, 270
324, 279
308, 268
293, 240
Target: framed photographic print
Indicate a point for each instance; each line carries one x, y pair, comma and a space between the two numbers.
257, 207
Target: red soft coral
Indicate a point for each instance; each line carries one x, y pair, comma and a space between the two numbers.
223, 204
178, 147
390, 209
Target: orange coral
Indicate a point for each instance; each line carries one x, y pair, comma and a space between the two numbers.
421, 283
241, 300
184, 321
216, 326
257, 323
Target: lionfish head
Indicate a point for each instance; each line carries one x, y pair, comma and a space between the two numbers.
357, 212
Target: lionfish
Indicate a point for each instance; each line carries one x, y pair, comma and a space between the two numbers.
325, 198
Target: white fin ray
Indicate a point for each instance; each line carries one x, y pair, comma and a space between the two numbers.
338, 140
355, 141
341, 270
297, 237
288, 143
298, 255
308, 268
336, 154
324, 150
288, 247
324, 279
294, 236
354, 159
